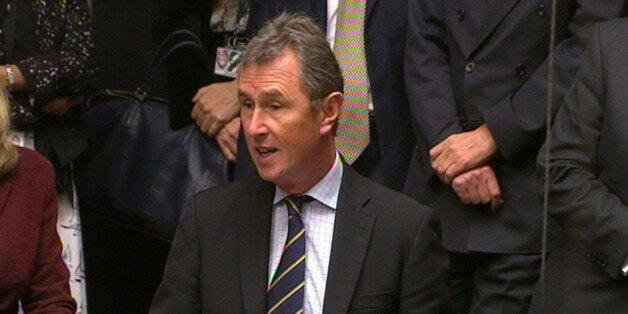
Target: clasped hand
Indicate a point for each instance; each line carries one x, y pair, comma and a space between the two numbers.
216, 112
461, 160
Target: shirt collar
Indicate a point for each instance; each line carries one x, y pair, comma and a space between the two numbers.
325, 191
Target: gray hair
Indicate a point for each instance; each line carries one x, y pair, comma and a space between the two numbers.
320, 72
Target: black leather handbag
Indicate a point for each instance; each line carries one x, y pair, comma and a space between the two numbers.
138, 171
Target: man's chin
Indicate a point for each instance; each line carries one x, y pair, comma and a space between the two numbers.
267, 174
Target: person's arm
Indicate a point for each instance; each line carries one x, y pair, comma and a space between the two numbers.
479, 186
179, 290
48, 291
64, 67
463, 152
425, 272
589, 214
431, 97
216, 111
427, 73
11, 78
517, 122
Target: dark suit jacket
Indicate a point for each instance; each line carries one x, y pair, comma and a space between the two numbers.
386, 256
385, 42
31, 268
589, 185
470, 63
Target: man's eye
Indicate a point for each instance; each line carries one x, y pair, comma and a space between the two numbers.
273, 107
246, 105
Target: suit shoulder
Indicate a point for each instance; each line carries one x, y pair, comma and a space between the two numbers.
226, 191
399, 214
231, 195
616, 27
612, 33
389, 202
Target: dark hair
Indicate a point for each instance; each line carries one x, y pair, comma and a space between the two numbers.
320, 72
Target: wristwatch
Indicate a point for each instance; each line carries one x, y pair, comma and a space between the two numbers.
10, 76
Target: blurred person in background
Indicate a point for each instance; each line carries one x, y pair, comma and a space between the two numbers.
32, 272
477, 78
45, 49
588, 194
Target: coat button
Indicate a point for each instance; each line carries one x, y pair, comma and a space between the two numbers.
460, 15
470, 67
521, 69
541, 11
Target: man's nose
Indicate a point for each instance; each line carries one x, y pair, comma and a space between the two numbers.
256, 124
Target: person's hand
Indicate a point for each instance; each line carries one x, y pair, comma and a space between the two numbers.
60, 105
227, 139
479, 186
462, 152
215, 106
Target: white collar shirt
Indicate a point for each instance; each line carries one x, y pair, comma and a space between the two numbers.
318, 218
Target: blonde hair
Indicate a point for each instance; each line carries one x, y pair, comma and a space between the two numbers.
8, 152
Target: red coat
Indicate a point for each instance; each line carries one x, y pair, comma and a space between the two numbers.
31, 267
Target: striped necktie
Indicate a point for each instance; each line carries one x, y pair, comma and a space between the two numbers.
352, 136
286, 290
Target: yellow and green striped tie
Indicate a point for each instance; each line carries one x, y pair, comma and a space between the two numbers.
286, 291
353, 130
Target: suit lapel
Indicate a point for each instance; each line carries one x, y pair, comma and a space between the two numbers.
352, 234
253, 244
496, 13
370, 4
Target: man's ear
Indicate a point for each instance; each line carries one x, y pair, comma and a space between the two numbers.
330, 112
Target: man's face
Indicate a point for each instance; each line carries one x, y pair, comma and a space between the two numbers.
282, 130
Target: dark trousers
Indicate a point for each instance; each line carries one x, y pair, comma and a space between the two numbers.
493, 283
123, 267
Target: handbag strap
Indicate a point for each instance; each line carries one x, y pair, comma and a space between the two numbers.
175, 41
178, 35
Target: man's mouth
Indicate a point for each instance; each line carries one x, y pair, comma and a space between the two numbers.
265, 151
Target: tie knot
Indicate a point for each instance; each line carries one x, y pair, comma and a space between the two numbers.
295, 203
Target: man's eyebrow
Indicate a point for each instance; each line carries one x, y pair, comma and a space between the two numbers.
242, 94
271, 93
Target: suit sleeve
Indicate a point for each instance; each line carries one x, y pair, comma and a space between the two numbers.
589, 214
427, 73
517, 122
425, 274
179, 290
48, 290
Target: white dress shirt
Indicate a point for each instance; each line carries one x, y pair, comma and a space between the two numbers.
332, 17
318, 219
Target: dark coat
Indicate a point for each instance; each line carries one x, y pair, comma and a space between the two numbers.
385, 257
470, 63
589, 185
